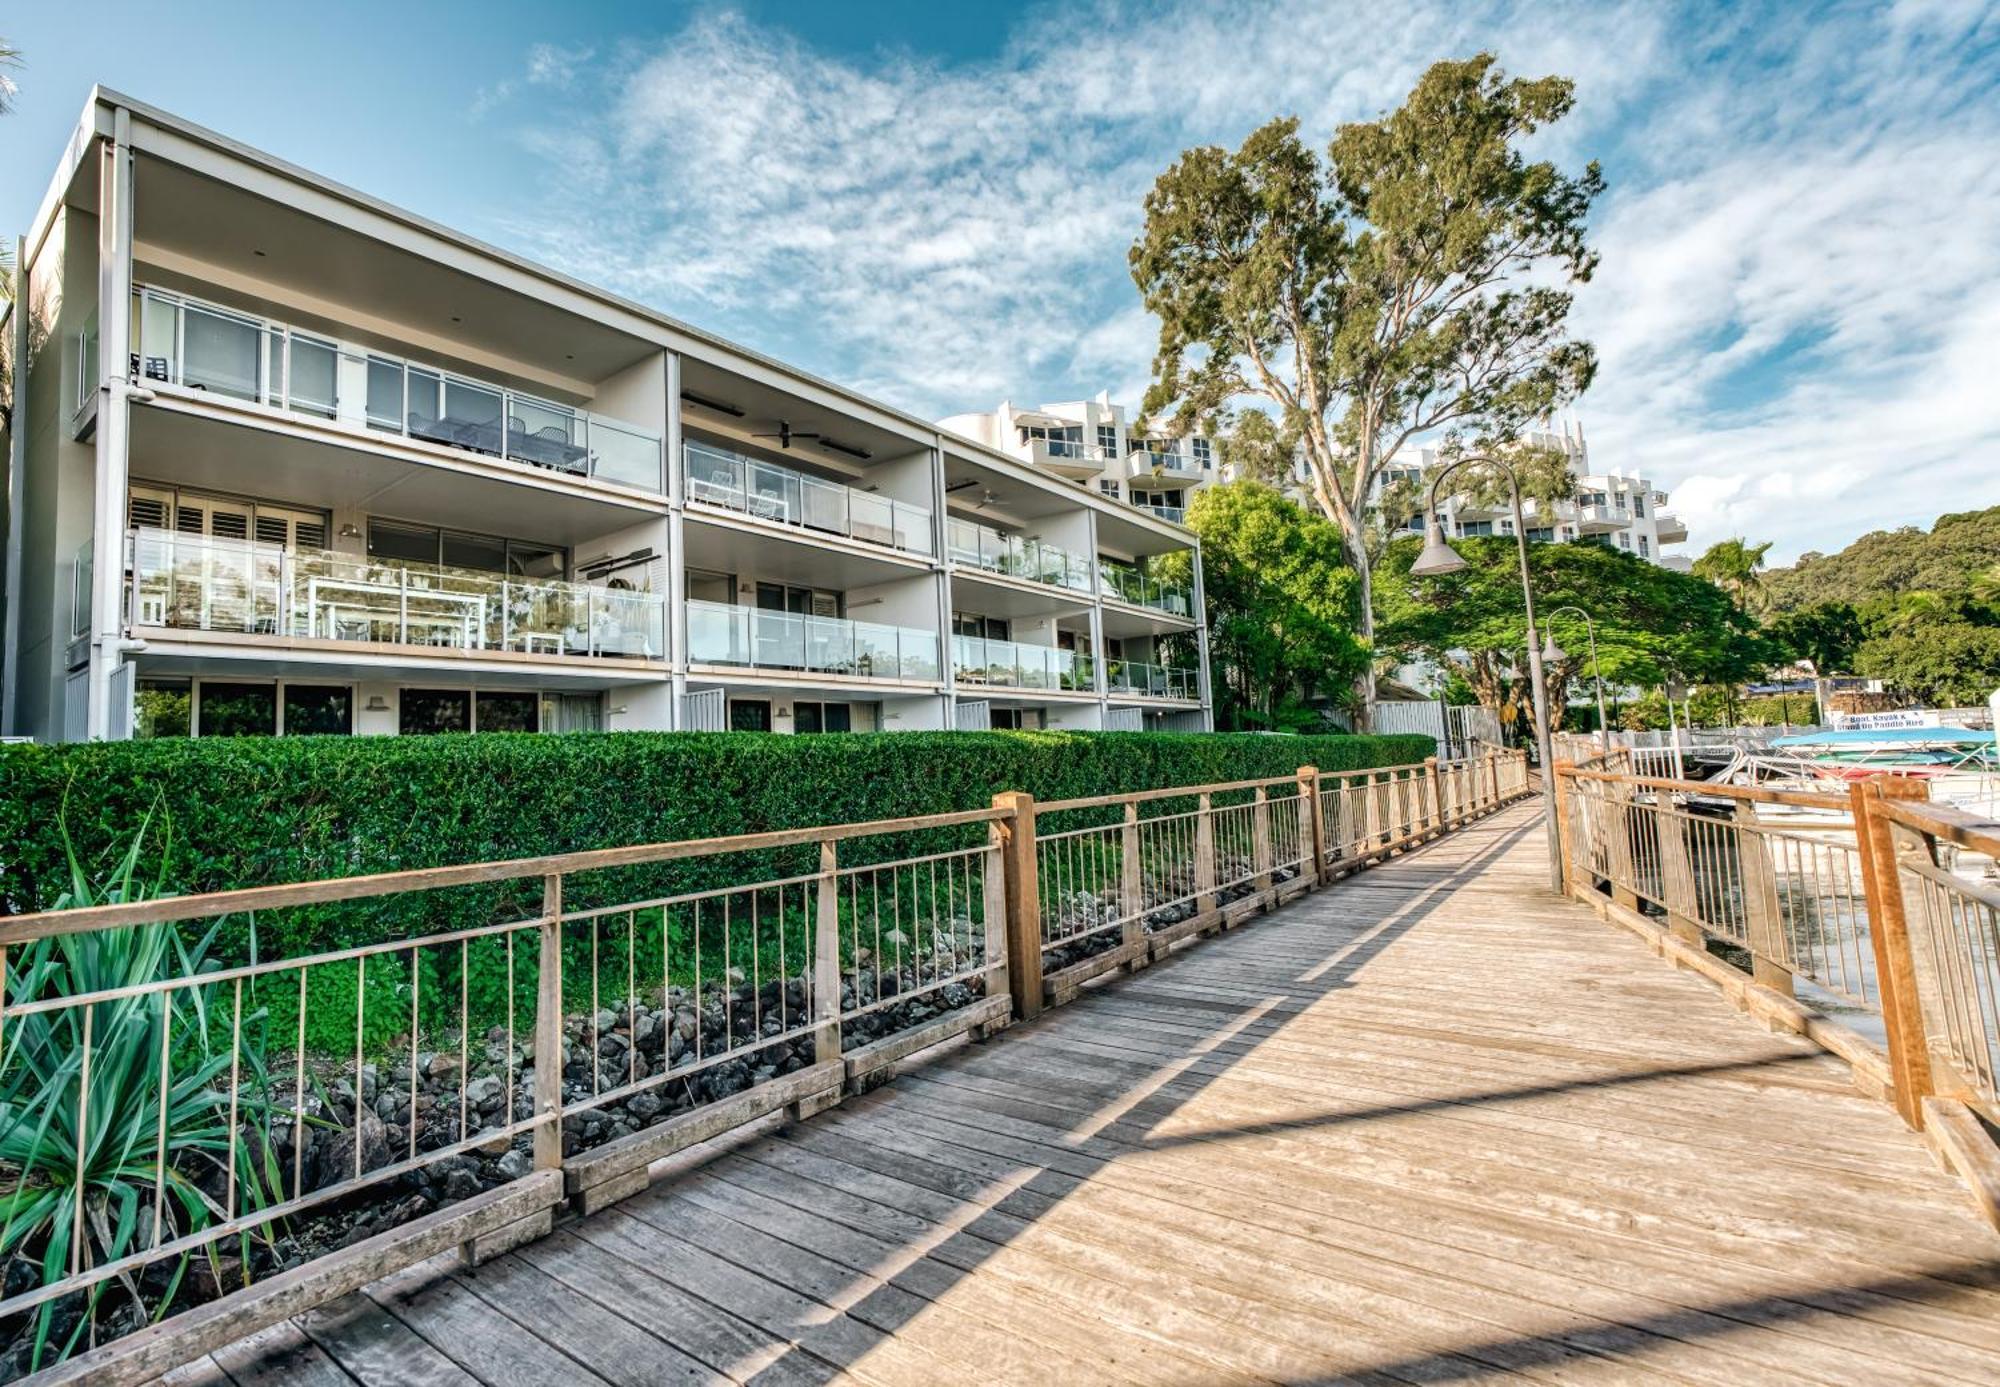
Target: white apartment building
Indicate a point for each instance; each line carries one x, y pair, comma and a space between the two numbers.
286, 459
1091, 443
1618, 512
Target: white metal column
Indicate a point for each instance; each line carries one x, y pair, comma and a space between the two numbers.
1201, 644
17, 494
1097, 668
114, 313
677, 623
943, 552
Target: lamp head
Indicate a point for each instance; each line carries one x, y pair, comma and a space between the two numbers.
1553, 653
1438, 557
1676, 690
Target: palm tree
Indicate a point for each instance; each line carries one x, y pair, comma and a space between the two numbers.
10, 57
1733, 566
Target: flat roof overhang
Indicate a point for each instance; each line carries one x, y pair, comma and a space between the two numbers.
722, 544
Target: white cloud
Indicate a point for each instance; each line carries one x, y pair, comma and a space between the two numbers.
1792, 313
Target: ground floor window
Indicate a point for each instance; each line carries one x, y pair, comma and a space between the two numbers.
505, 712
572, 713
749, 715
163, 708
236, 710
318, 710
424, 711
821, 717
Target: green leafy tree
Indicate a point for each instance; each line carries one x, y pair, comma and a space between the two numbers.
1946, 664
1736, 568
1281, 606
1652, 623
10, 63
1410, 282
1823, 636
1960, 550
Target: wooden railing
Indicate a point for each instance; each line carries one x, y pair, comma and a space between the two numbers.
606, 1009
1878, 898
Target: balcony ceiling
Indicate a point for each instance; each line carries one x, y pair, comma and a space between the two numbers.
236, 460
972, 592
1013, 501
188, 214
722, 548
763, 405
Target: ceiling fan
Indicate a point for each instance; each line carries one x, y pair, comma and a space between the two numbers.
986, 494
785, 435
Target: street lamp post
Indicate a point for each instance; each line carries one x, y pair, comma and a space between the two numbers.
1439, 558
1551, 652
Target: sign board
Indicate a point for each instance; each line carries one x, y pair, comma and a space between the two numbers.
1876, 722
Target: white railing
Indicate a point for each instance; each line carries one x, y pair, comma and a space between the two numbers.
198, 582
185, 342
718, 477
973, 545
1017, 665
1144, 462
719, 634
1177, 514
1138, 679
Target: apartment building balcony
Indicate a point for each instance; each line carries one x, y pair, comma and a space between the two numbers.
208, 353
1135, 679
799, 643
1067, 457
978, 662
1670, 527
777, 495
1601, 520
1163, 466
979, 550
1135, 587
265, 592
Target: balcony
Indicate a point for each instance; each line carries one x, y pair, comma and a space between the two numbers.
1133, 679
199, 346
719, 634
982, 547
718, 477
1068, 457
1670, 527
982, 663
1601, 520
1178, 467
1176, 514
200, 583
1138, 588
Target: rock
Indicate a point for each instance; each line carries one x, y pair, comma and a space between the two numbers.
644, 1106
605, 1020
515, 1165
484, 1093
461, 1184
334, 1160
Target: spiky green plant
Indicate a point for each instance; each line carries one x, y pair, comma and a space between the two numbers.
77, 1178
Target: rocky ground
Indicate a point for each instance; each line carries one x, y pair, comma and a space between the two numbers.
1168, 902
760, 1030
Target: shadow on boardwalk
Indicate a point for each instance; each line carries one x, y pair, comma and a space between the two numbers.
1429, 1125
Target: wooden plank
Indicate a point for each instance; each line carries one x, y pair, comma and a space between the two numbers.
376, 1349
279, 1356
153, 1350
493, 1348
874, 1064
616, 1348
1963, 1142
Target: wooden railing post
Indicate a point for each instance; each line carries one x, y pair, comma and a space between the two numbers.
1493, 780
1618, 825
826, 958
1204, 855
1312, 836
1563, 840
1372, 810
1024, 902
1677, 883
1131, 879
1889, 934
549, 1030
1763, 912
1260, 839
994, 895
1427, 796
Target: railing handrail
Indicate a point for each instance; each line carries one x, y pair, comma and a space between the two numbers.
716, 450
1960, 827
1803, 799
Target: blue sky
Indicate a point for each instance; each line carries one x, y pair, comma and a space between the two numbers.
1798, 311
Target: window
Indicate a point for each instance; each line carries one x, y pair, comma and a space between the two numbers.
1108, 487
1475, 527
162, 708
236, 710
1107, 439
1639, 506
821, 717
572, 713
401, 542
1204, 453
991, 628
1645, 547
504, 712
1543, 533
313, 710
749, 715
1624, 540
424, 711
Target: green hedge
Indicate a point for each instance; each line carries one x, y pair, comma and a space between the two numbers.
255, 811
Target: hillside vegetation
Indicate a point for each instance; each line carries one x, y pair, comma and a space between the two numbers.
1883, 565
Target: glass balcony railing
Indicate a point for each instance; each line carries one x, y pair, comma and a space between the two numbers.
973, 545
81, 581
976, 660
1133, 678
185, 342
719, 477
1143, 462
1177, 514
719, 634
197, 582
1134, 586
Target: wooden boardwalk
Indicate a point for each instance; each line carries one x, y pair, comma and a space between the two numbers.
1431, 1125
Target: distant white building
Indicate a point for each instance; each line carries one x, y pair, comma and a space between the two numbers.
1091, 443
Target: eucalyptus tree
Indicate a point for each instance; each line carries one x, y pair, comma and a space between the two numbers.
1411, 280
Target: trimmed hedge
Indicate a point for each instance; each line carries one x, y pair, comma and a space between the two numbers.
256, 810
259, 810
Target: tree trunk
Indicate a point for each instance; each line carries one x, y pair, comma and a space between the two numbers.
1364, 570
